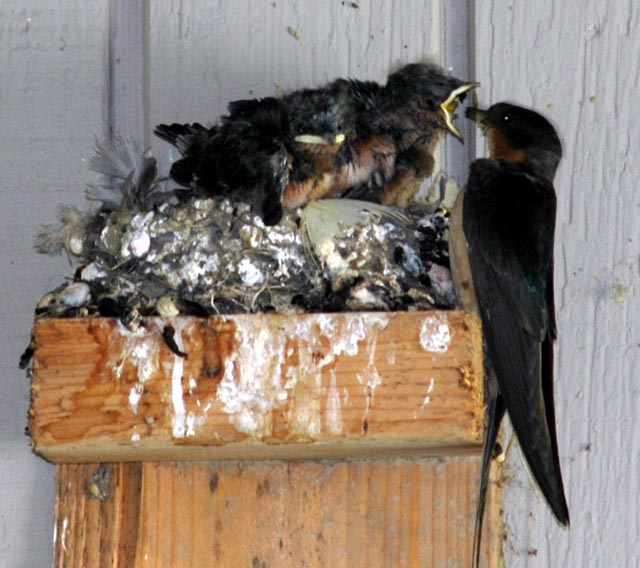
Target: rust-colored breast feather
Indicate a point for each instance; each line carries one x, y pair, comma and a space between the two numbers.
300, 193
500, 149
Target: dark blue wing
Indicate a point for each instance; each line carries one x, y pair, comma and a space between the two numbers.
509, 222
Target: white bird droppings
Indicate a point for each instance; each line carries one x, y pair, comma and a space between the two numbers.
254, 383
435, 334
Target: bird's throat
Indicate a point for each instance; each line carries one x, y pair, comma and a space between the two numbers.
500, 149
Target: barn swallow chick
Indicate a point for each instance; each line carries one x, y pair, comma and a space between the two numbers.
501, 249
320, 124
243, 153
264, 148
189, 139
398, 127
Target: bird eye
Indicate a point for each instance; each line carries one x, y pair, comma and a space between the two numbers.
506, 117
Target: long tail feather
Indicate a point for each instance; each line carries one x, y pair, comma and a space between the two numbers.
495, 413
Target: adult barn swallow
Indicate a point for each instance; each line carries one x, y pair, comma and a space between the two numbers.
501, 249
263, 146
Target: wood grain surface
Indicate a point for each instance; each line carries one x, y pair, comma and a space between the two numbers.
258, 386
398, 513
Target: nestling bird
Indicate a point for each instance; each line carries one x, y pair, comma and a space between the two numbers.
264, 146
501, 249
398, 127
346, 138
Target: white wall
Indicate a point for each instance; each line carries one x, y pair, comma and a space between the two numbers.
575, 60
52, 81
203, 55
579, 62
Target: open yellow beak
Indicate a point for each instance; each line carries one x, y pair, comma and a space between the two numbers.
451, 104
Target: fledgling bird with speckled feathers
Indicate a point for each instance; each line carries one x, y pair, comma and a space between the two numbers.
501, 249
347, 138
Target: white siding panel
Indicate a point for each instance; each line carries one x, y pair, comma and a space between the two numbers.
204, 54
579, 62
52, 89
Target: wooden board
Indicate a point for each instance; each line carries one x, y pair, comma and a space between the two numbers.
258, 386
399, 513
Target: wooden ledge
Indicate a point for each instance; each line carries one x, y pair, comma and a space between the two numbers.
262, 386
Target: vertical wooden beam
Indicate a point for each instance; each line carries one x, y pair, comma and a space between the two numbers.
314, 514
97, 520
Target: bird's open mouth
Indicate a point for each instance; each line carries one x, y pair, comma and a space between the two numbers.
315, 139
451, 104
479, 117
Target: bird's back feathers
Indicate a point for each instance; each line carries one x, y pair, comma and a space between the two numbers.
509, 219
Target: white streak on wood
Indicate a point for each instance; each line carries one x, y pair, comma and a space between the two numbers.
333, 418
65, 528
427, 398
183, 424
254, 383
178, 418
251, 385
140, 348
135, 394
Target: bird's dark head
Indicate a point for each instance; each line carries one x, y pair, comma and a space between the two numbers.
519, 134
320, 116
430, 88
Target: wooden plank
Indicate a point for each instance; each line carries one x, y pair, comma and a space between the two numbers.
378, 513
258, 386
91, 531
